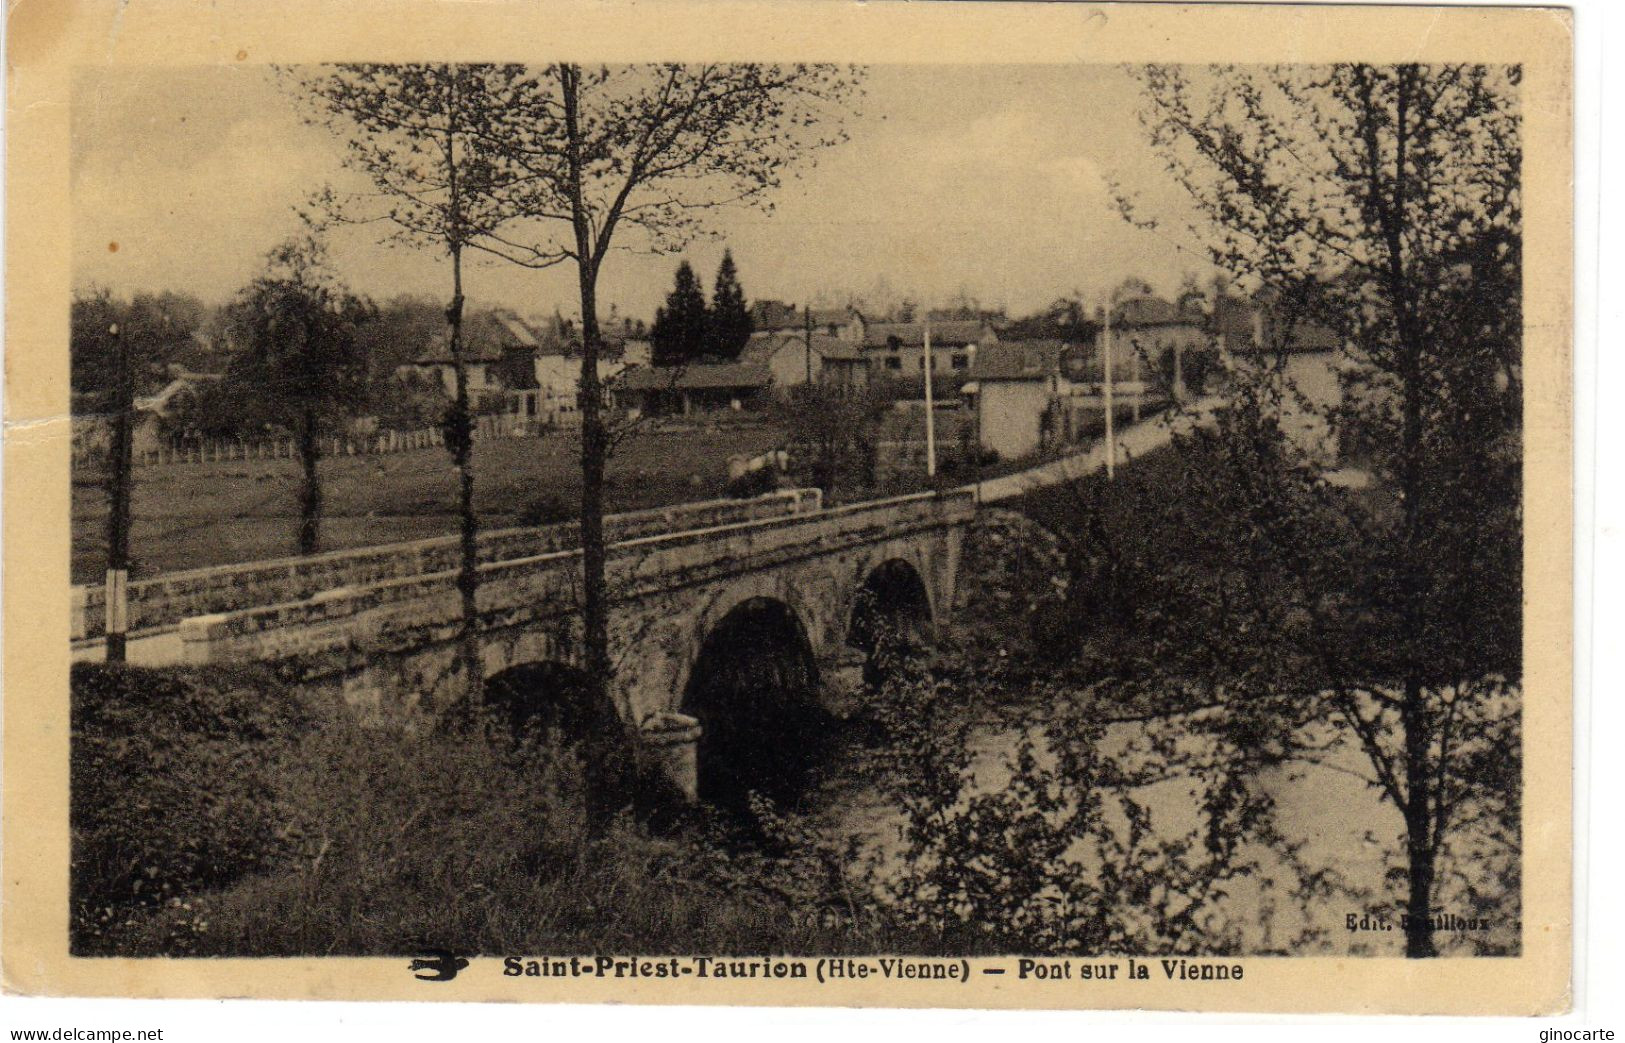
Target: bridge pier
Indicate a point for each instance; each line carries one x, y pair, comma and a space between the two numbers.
841, 681
742, 626
673, 743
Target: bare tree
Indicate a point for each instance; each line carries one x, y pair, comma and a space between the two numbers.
1382, 204
419, 134
654, 150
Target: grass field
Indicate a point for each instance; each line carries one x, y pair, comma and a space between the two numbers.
194, 515
188, 516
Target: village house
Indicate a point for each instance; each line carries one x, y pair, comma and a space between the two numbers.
898, 348
1151, 338
492, 340
770, 316
1019, 393
698, 388
533, 367
547, 380
1233, 323
1305, 358
151, 415
842, 323
798, 358
770, 363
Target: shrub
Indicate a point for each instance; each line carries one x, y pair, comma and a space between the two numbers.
1074, 851
547, 509
216, 812
751, 484
404, 840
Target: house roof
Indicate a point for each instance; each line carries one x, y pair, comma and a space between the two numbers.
1312, 336
1232, 316
610, 346
159, 402
837, 350
774, 315
699, 377
912, 334
1018, 360
487, 336
764, 346
1305, 335
521, 334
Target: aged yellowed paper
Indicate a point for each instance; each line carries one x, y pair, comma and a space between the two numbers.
959, 505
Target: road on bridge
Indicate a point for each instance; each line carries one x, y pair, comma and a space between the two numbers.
1130, 442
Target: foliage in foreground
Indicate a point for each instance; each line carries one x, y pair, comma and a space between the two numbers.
216, 815
1065, 843
1062, 817
1230, 591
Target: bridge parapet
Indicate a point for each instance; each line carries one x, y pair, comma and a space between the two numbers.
341, 629
162, 603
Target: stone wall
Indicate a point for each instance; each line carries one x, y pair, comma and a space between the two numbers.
392, 643
163, 602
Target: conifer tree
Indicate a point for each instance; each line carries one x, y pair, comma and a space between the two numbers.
678, 337
730, 325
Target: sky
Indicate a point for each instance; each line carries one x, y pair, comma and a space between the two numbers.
990, 180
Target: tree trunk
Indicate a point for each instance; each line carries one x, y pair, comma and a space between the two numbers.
1421, 846
594, 555
119, 480
1419, 842
460, 427
462, 450
310, 489
606, 774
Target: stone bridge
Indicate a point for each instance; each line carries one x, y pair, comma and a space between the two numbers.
719, 612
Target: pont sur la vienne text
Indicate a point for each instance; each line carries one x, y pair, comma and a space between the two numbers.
831, 969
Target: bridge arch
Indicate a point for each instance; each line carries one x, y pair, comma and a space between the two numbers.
753, 686
890, 615
553, 695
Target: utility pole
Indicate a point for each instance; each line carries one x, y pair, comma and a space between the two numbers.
1135, 380
118, 506
807, 314
930, 418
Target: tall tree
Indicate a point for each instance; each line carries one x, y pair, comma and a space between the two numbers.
420, 136
1381, 203
729, 327
679, 331
653, 149
156, 329
300, 357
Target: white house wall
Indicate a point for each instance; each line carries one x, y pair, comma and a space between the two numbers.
1009, 413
